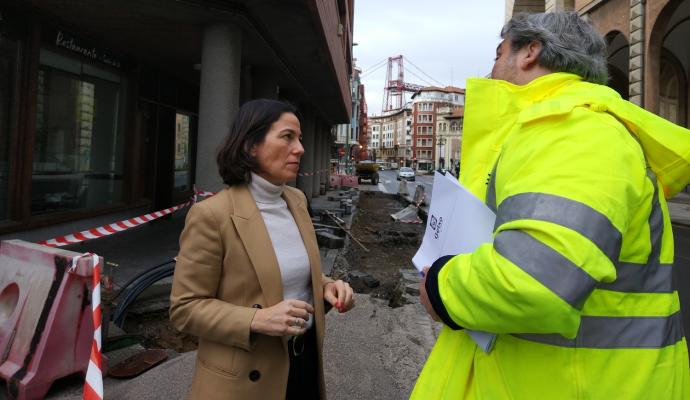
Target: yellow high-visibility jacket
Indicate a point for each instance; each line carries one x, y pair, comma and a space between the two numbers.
578, 280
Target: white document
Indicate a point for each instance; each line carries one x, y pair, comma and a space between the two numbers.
458, 222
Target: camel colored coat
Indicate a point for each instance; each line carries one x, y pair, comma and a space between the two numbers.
226, 270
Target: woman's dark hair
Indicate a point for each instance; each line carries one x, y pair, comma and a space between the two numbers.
252, 122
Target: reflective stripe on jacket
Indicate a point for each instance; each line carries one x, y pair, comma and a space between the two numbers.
578, 281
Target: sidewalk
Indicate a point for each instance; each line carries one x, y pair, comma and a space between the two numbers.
372, 352
679, 209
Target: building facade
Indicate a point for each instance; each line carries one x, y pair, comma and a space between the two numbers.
449, 138
350, 140
115, 106
390, 138
430, 106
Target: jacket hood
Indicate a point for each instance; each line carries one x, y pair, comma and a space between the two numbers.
502, 106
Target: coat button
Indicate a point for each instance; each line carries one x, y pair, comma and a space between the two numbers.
254, 375
257, 306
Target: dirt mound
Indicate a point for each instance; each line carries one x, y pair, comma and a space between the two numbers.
391, 246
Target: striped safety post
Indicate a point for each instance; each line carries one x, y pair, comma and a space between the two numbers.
93, 386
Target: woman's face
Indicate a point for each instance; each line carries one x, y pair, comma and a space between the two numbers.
279, 154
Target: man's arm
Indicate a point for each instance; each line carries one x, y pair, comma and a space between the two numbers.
563, 200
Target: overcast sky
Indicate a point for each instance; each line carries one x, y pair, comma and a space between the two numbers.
450, 40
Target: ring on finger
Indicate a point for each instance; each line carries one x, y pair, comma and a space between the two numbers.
296, 322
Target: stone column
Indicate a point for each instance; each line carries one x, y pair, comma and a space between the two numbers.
559, 5
306, 183
326, 162
218, 100
318, 150
636, 66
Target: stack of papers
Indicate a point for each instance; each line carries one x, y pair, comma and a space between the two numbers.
458, 222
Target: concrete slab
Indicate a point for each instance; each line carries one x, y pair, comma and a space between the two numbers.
679, 213
374, 352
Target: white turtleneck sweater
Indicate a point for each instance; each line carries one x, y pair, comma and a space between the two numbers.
293, 260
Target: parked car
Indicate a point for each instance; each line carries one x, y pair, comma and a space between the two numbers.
406, 173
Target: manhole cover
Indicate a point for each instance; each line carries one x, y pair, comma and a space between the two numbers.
138, 363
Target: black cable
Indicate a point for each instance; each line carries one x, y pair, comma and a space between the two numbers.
143, 282
422, 71
133, 279
374, 67
135, 291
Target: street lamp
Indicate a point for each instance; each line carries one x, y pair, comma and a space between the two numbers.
441, 159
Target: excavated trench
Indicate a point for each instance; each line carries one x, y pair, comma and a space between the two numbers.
390, 244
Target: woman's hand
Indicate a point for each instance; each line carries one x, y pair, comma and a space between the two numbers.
339, 295
287, 318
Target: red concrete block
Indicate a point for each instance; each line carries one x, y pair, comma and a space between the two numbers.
349, 181
46, 325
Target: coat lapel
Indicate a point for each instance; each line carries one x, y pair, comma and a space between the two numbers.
254, 235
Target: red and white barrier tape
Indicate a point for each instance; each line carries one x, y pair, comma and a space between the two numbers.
201, 193
93, 386
321, 171
107, 230
123, 225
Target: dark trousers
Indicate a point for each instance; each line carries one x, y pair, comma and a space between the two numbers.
303, 382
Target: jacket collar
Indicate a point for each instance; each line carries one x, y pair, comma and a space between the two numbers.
492, 108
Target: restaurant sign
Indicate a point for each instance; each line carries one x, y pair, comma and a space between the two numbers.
67, 41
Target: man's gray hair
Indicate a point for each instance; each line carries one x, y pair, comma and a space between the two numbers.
569, 43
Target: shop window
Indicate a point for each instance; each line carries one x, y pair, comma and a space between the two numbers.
78, 149
183, 164
8, 65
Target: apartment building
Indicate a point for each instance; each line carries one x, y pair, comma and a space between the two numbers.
390, 140
430, 105
449, 138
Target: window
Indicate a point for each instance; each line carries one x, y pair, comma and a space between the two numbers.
8, 65
425, 118
425, 106
78, 149
425, 130
424, 142
183, 165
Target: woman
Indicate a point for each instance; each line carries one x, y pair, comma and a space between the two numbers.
248, 279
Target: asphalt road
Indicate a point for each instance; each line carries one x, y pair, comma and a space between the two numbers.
389, 184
